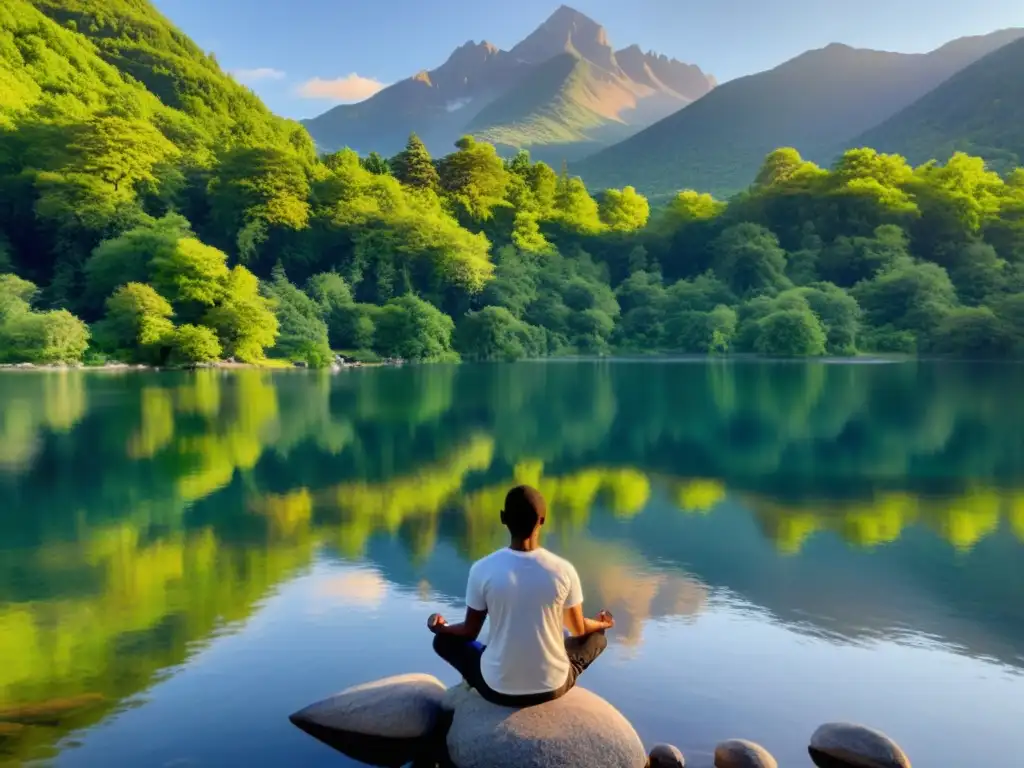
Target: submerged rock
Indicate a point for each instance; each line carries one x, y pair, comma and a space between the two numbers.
580, 729
666, 756
847, 744
52, 711
740, 753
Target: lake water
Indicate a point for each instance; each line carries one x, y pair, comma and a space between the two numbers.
185, 559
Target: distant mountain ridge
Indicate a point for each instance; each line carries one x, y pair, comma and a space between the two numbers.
979, 110
816, 102
562, 92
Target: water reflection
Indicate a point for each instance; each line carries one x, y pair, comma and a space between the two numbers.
847, 501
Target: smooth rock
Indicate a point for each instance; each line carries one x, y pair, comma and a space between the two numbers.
666, 756
848, 744
400, 707
578, 730
454, 695
740, 753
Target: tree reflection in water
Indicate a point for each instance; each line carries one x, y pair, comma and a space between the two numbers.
170, 505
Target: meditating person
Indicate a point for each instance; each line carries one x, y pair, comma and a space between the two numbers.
529, 594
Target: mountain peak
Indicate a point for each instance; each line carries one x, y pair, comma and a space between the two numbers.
466, 60
567, 30
567, 14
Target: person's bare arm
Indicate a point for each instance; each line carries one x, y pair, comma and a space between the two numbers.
578, 624
469, 628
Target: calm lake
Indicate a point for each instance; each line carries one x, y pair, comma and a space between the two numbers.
185, 559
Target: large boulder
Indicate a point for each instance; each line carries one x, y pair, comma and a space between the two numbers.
580, 729
740, 753
847, 744
386, 722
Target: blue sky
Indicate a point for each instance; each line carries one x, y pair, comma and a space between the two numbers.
304, 56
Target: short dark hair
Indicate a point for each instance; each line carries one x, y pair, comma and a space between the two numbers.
525, 509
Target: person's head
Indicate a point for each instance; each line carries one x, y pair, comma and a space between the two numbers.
524, 511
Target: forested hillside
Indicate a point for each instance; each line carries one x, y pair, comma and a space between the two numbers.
151, 210
979, 110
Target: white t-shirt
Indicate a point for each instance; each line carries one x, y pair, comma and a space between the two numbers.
525, 595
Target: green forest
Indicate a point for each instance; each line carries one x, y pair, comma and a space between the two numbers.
152, 210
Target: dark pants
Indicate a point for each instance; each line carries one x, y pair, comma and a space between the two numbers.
465, 655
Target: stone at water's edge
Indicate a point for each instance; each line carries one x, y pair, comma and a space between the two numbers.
666, 756
578, 730
740, 753
847, 744
400, 707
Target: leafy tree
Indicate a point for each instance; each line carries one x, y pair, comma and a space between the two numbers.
574, 208
515, 282
908, 297
475, 177
302, 332
786, 168
642, 328
244, 319
414, 167
16, 296
748, 258
689, 206
703, 293
194, 344
349, 325
128, 258
330, 291
543, 183
979, 274
137, 323
376, 164
839, 313
254, 189
973, 332
722, 323
189, 275
702, 332
848, 260
591, 331
413, 329
119, 151
43, 337
353, 326
526, 234
790, 333
494, 333
641, 289
624, 210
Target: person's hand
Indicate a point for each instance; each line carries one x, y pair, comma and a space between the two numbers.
606, 618
434, 621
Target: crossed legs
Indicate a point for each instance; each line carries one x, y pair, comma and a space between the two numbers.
464, 655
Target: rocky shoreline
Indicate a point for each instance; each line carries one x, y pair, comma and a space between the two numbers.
415, 719
339, 363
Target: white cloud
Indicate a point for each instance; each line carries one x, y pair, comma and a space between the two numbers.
455, 106
352, 88
257, 75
